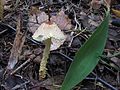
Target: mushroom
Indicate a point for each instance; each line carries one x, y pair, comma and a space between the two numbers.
50, 33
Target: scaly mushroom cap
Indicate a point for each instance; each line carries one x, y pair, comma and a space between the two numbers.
49, 30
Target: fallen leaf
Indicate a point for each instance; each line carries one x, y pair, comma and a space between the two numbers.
17, 46
62, 21
116, 12
34, 10
36, 19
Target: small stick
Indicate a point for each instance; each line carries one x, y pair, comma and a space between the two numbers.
13, 72
3, 31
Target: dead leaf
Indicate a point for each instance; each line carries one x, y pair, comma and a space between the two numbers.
116, 12
62, 21
17, 47
34, 10
36, 19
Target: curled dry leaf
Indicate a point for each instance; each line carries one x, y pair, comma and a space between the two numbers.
62, 20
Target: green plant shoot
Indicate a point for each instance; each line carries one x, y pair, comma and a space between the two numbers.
87, 56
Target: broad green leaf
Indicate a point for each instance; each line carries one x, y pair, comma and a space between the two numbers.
87, 56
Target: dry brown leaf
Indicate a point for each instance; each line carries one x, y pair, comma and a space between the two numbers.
62, 20
34, 10
17, 47
36, 20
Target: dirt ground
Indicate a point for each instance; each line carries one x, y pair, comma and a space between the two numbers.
83, 20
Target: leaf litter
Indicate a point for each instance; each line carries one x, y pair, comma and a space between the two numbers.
30, 70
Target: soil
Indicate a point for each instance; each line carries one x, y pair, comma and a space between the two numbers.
105, 76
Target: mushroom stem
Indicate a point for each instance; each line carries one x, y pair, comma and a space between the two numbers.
42, 70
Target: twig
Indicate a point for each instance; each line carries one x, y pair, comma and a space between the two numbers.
14, 30
118, 77
106, 60
18, 86
3, 31
13, 72
75, 18
104, 82
114, 55
75, 37
26, 62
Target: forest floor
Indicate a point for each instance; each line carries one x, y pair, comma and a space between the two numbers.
81, 19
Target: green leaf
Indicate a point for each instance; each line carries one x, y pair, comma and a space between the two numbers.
87, 56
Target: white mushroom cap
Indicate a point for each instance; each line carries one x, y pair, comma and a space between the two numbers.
50, 30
